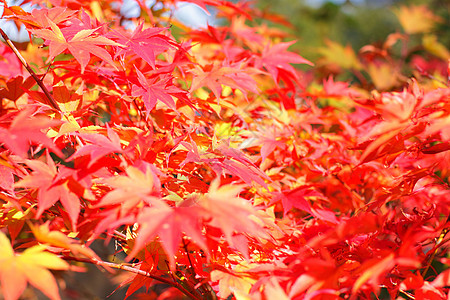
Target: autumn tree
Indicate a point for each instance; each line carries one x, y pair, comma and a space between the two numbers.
217, 168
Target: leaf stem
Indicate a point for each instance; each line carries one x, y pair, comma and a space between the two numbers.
52, 101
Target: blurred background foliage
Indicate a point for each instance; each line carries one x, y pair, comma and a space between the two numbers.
355, 23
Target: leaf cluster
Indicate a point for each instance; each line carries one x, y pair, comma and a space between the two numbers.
220, 170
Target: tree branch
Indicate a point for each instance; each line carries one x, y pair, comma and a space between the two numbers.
134, 270
52, 101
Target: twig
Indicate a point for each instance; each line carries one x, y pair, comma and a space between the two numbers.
141, 115
120, 235
189, 257
428, 75
440, 241
52, 101
352, 191
406, 294
135, 271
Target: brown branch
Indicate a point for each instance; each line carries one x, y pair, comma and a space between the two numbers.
135, 271
52, 101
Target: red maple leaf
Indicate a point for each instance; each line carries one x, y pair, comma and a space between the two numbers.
99, 146
15, 87
26, 129
146, 44
157, 88
169, 224
236, 76
276, 58
51, 187
10, 65
39, 18
296, 198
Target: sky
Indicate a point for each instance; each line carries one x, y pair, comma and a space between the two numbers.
9, 27
189, 14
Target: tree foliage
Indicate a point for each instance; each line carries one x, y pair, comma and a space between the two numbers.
218, 168
355, 23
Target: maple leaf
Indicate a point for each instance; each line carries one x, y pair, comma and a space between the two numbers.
26, 129
138, 281
296, 198
55, 238
146, 44
431, 44
169, 224
139, 184
236, 284
236, 76
159, 88
339, 55
100, 145
51, 188
276, 58
29, 266
384, 75
246, 172
229, 212
15, 87
39, 18
337, 88
68, 102
269, 140
7, 179
443, 279
10, 65
416, 18
81, 45
372, 269
213, 35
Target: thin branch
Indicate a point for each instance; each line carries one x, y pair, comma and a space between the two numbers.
52, 101
407, 294
189, 257
439, 242
141, 115
428, 75
135, 271
120, 235
352, 191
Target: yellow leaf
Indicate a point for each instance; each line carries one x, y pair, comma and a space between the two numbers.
6, 252
37, 256
383, 76
59, 239
339, 55
273, 290
30, 266
431, 44
416, 19
70, 126
231, 284
97, 11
